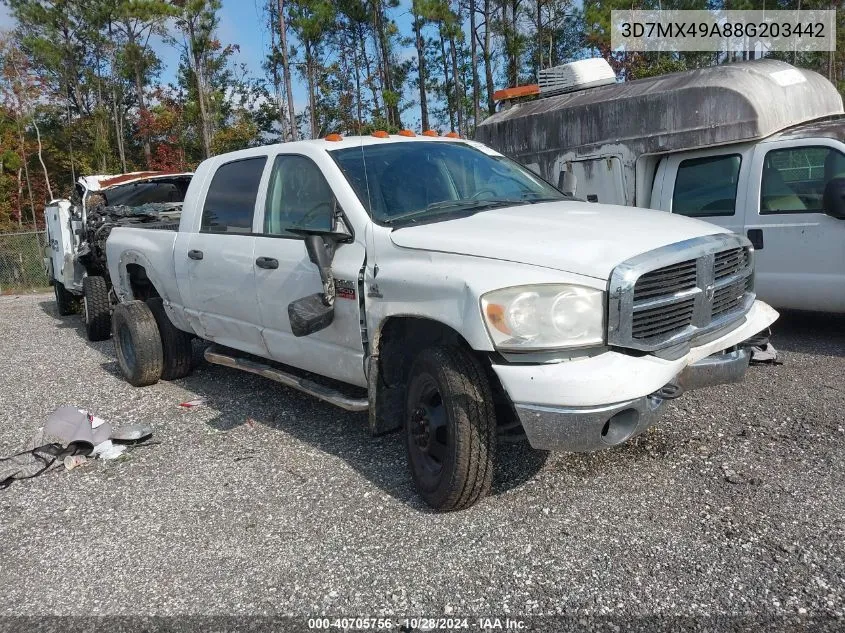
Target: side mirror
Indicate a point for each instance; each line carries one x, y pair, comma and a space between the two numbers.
316, 312
567, 182
833, 200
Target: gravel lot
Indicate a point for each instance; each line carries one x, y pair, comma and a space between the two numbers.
269, 502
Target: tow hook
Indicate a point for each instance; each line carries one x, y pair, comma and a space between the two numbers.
669, 391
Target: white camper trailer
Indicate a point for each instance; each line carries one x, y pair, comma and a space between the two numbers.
756, 147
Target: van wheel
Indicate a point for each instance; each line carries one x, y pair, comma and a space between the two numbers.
137, 343
177, 350
450, 428
96, 308
65, 301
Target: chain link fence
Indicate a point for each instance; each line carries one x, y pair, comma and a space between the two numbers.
22, 262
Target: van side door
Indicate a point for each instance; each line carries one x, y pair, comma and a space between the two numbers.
214, 257
709, 185
299, 196
800, 251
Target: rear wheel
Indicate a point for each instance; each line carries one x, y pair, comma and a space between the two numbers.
65, 301
450, 428
137, 343
96, 308
177, 350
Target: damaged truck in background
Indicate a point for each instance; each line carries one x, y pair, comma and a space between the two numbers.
755, 147
77, 230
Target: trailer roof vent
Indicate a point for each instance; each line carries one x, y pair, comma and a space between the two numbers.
585, 73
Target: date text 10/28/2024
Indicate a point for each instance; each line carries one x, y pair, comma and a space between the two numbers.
417, 624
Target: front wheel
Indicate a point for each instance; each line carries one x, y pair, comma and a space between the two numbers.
137, 343
450, 428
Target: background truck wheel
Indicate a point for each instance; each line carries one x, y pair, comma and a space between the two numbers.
450, 428
176, 345
96, 308
65, 301
137, 343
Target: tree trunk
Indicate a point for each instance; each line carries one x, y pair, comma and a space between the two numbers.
391, 107
20, 196
488, 58
200, 79
368, 67
277, 81
359, 114
43, 166
473, 46
456, 80
449, 102
420, 43
25, 160
312, 99
286, 74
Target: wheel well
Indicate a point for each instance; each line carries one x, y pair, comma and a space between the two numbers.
397, 344
140, 284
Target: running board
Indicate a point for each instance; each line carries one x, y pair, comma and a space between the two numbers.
326, 394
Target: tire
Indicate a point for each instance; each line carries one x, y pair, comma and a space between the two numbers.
177, 350
450, 428
96, 308
137, 343
65, 301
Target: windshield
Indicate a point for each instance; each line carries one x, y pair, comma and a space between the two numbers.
429, 181
138, 193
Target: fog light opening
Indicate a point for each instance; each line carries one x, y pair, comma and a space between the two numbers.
620, 427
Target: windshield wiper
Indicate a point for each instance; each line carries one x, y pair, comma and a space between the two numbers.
436, 208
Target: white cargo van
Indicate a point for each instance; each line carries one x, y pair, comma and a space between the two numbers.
755, 147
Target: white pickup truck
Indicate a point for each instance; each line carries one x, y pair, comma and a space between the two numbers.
442, 287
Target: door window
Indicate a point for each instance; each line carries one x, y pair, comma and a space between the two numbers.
706, 187
794, 178
298, 197
230, 201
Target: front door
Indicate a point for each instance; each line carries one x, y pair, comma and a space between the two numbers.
709, 185
800, 251
298, 196
217, 261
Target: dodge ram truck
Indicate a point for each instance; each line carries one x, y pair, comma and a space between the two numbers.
444, 289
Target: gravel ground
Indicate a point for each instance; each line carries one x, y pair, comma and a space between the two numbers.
269, 502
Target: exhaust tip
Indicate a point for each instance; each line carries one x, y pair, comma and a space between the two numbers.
620, 427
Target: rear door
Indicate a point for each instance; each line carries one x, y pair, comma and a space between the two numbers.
215, 263
800, 251
299, 196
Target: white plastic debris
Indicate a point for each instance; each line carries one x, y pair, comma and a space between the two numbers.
108, 450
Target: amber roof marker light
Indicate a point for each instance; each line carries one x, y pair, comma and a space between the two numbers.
333, 137
452, 135
406, 133
516, 92
381, 134
430, 133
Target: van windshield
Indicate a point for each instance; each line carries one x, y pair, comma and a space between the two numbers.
408, 183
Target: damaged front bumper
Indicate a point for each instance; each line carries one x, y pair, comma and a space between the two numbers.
564, 406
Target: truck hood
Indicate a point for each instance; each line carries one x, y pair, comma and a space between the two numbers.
580, 238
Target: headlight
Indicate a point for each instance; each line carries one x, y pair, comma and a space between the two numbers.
544, 317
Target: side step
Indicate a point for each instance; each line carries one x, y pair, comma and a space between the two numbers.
326, 394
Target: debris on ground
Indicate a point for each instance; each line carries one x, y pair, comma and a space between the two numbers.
764, 354
70, 437
190, 404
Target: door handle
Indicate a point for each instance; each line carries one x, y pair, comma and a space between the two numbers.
756, 237
267, 262
194, 254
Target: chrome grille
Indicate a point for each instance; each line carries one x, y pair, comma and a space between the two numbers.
675, 293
